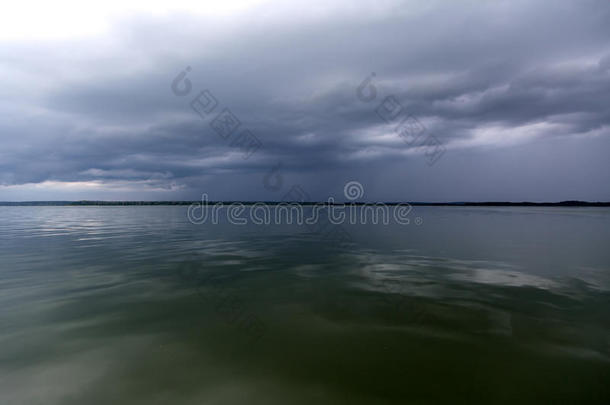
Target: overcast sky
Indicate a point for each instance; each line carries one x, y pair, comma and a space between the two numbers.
500, 100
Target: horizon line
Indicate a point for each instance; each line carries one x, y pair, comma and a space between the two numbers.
565, 203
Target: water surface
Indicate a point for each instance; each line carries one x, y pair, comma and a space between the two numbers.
135, 305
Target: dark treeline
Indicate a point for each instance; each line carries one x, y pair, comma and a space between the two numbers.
437, 204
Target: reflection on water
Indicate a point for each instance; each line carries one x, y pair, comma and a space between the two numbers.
136, 305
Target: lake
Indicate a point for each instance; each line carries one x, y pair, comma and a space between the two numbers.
137, 305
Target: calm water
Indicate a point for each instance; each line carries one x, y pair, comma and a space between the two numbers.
135, 305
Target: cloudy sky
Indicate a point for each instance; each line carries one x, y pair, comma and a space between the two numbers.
417, 101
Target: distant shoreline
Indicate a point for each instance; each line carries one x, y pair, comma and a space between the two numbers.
431, 204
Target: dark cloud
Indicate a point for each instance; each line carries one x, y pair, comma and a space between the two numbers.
486, 79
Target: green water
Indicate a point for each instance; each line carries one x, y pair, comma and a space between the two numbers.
135, 305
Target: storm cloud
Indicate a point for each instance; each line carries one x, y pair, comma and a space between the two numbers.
516, 93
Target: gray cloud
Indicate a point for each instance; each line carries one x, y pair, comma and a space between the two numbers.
487, 79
